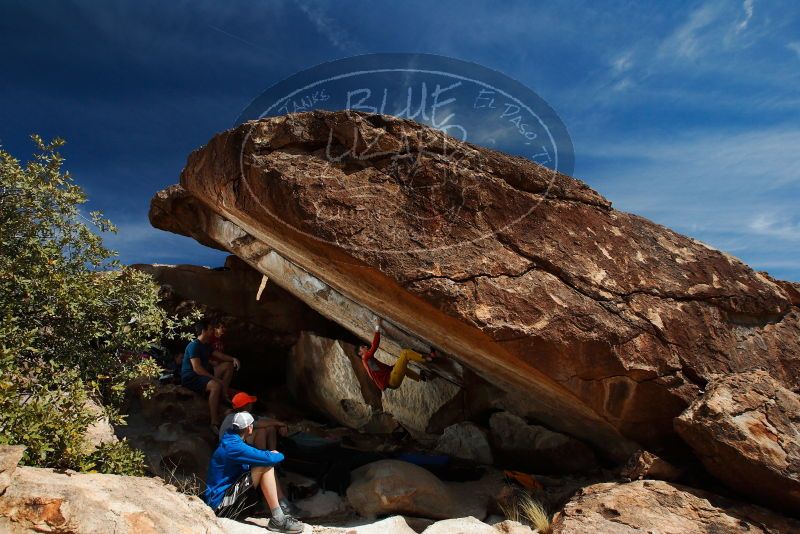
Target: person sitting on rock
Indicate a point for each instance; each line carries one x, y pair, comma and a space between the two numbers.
195, 373
265, 430
220, 358
390, 376
264, 436
240, 474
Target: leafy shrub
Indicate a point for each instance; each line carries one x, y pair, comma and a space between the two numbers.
72, 318
115, 457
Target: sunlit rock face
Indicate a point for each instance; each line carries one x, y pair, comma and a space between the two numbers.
656, 506
746, 430
600, 324
47, 500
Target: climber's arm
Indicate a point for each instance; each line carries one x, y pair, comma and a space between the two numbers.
376, 341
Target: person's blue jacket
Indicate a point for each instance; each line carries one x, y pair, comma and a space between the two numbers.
230, 461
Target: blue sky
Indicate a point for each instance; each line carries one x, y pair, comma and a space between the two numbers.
684, 112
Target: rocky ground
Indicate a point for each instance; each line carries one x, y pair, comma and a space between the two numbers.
43, 500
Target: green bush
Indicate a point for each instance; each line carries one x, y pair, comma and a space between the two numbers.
72, 318
116, 457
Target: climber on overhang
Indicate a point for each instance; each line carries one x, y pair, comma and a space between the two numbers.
391, 376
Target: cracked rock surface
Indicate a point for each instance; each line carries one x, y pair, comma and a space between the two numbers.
593, 317
656, 506
45, 500
746, 430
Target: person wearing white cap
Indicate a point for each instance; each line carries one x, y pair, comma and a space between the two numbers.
238, 470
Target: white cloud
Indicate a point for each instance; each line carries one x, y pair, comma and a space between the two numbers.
767, 158
777, 225
748, 14
328, 27
622, 63
794, 46
690, 40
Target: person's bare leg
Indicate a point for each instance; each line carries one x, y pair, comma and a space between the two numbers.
264, 478
214, 388
224, 371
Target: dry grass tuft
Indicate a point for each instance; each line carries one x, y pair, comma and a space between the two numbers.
189, 484
526, 509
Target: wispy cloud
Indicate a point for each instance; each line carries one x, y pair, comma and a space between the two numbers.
328, 27
794, 46
622, 63
748, 15
782, 226
689, 40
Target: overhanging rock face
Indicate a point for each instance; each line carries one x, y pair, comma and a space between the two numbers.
602, 324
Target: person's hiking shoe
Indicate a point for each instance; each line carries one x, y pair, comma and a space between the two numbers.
289, 508
288, 525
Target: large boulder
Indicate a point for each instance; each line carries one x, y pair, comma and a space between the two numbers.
320, 373
746, 431
605, 324
327, 375
395, 487
466, 441
533, 448
422, 407
43, 500
656, 506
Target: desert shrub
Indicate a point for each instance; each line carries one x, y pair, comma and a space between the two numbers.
115, 457
72, 318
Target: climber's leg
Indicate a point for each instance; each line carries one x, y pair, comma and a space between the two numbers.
401, 367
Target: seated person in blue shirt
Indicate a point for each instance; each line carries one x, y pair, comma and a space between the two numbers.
237, 471
195, 373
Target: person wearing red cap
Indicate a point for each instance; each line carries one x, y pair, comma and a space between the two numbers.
240, 475
264, 436
265, 431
